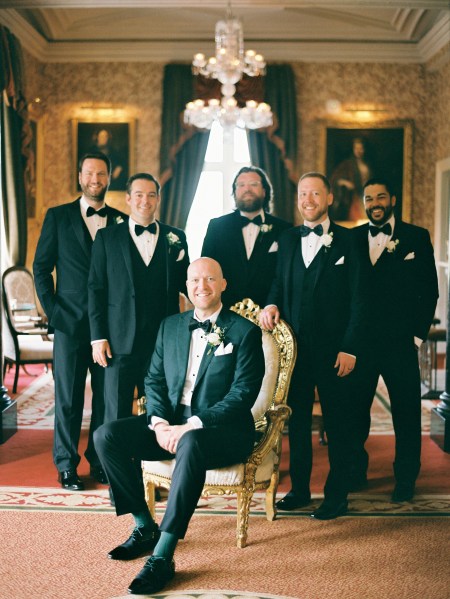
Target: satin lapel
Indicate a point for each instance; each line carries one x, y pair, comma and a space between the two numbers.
163, 233
183, 342
363, 243
263, 242
237, 239
79, 227
124, 240
110, 218
225, 322
323, 255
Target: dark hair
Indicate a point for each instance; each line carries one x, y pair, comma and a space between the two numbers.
96, 156
267, 185
379, 181
147, 177
314, 175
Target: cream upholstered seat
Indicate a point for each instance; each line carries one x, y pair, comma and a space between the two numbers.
24, 329
261, 471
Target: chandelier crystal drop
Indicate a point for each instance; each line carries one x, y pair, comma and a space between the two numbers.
228, 66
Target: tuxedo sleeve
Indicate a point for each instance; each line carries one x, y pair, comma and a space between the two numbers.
155, 383
209, 248
427, 287
44, 263
98, 290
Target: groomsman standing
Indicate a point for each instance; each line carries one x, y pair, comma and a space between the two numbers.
404, 286
245, 243
137, 273
317, 290
65, 245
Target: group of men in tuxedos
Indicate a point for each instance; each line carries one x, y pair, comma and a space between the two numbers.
359, 303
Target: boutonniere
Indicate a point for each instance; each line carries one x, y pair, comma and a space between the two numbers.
391, 245
215, 337
173, 240
327, 240
119, 220
264, 228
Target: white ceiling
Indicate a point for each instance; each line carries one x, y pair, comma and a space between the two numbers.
173, 30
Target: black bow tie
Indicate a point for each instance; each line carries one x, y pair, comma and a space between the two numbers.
139, 229
196, 324
102, 212
305, 230
386, 229
256, 221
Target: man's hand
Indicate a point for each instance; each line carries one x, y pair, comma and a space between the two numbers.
100, 352
168, 435
269, 318
345, 363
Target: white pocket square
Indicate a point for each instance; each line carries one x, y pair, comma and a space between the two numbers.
410, 256
273, 247
340, 261
180, 255
224, 350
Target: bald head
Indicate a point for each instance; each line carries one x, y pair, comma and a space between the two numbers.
205, 284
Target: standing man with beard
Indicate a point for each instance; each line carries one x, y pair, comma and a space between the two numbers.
400, 259
65, 245
317, 290
245, 243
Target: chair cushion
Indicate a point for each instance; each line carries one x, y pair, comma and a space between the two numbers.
229, 476
33, 347
266, 393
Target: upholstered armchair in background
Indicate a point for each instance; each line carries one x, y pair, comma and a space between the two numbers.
261, 471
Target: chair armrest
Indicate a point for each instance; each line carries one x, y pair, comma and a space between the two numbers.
276, 418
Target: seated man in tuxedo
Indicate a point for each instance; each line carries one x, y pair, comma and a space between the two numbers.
202, 419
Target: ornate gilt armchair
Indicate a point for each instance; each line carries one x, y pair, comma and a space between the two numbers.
261, 471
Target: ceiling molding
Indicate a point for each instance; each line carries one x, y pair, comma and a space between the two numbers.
436, 39
19, 4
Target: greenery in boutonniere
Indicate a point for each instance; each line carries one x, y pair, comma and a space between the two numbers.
215, 337
173, 240
264, 228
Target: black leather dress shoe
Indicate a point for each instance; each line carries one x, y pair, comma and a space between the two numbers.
403, 492
329, 510
138, 544
153, 577
70, 480
99, 474
292, 501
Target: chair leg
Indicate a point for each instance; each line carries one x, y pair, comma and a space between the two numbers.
16, 378
271, 492
150, 496
244, 498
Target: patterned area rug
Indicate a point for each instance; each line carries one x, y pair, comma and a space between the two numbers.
36, 408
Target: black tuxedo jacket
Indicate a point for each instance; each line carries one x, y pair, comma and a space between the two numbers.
65, 245
112, 308
403, 283
340, 291
227, 385
245, 278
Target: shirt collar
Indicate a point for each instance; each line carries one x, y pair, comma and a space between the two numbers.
325, 225
211, 318
84, 205
132, 224
260, 213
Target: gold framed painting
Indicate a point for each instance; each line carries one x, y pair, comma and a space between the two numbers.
115, 138
350, 153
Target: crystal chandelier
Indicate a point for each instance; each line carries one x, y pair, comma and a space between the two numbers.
228, 66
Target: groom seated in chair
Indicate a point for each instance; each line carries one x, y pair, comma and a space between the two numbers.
202, 419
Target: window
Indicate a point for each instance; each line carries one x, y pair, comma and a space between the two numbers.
227, 152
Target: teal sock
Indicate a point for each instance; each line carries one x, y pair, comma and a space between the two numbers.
165, 547
144, 520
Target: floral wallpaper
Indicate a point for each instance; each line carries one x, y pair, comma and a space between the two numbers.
420, 93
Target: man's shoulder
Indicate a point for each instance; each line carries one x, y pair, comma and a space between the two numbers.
224, 220
117, 213
411, 230
64, 208
166, 229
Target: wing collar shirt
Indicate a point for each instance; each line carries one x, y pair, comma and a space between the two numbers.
94, 222
145, 243
250, 233
378, 243
312, 243
196, 351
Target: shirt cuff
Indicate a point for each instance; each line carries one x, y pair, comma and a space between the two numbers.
418, 342
98, 341
195, 421
156, 420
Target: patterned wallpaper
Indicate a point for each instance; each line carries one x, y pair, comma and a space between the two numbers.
133, 91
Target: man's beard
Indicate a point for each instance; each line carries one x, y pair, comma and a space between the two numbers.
250, 205
387, 212
99, 196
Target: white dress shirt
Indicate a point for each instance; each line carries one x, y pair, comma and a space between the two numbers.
378, 243
250, 233
197, 349
145, 242
94, 222
312, 243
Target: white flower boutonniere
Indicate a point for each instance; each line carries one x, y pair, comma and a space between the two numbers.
173, 239
391, 245
327, 240
264, 228
119, 220
215, 337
